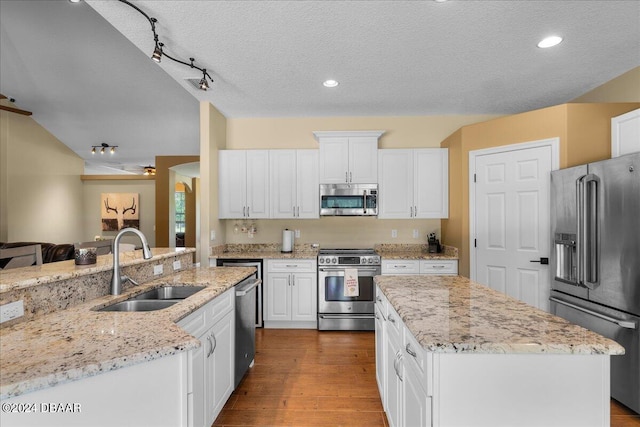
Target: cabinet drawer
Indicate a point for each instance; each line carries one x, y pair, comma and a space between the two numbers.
394, 323
419, 360
221, 305
439, 267
400, 266
381, 303
195, 323
291, 265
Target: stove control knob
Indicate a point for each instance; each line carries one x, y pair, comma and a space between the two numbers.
334, 260
321, 260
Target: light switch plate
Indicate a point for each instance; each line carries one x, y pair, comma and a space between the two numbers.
177, 265
11, 311
297, 233
416, 233
157, 269
394, 233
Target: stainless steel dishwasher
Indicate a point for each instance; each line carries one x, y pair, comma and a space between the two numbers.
245, 326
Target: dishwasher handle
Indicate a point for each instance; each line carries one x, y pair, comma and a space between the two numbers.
627, 324
244, 289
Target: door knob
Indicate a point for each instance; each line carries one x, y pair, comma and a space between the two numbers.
541, 260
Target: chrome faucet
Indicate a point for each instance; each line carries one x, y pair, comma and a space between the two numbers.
116, 279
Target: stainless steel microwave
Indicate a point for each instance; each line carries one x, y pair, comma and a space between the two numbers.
348, 199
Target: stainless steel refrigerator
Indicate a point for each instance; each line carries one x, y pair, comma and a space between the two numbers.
595, 262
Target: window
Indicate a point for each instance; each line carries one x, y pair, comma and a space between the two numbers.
180, 211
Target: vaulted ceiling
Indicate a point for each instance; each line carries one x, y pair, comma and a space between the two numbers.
84, 69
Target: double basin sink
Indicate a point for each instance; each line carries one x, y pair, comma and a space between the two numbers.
154, 299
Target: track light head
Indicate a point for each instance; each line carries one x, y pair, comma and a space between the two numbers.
102, 150
204, 85
93, 150
157, 54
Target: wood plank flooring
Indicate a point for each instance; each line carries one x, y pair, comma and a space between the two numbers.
311, 378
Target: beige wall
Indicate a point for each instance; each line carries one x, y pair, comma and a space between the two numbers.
41, 195
400, 132
92, 208
213, 137
624, 88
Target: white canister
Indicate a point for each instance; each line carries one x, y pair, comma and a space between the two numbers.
287, 240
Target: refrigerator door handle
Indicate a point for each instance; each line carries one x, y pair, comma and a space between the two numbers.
622, 323
591, 242
579, 234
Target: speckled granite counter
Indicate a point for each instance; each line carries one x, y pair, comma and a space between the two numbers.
263, 251
452, 314
80, 342
414, 252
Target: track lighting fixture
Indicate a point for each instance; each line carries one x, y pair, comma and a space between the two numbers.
159, 51
103, 147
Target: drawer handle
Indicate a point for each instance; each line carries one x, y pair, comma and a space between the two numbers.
411, 352
378, 299
391, 319
399, 266
439, 266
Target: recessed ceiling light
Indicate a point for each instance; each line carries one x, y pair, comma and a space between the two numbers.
440, 1
330, 83
75, 1
550, 41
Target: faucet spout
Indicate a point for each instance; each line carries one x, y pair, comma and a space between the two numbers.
116, 278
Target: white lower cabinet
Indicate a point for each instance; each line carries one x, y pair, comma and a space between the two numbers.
211, 367
291, 294
380, 318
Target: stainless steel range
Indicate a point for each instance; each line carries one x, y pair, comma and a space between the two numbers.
343, 307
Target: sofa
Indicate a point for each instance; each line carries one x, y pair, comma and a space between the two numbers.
51, 252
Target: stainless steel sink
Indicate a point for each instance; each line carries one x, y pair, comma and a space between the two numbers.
139, 305
169, 292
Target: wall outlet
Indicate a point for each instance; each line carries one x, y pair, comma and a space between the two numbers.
416, 233
297, 233
11, 311
213, 235
157, 270
177, 265
394, 233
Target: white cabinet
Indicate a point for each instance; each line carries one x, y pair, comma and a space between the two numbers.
291, 294
349, 157
380, 319
401, 266
625, 133
445, 267
294, 183
243, 187
413, 183
211, 366
394, 374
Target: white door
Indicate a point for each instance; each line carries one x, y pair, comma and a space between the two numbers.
512, 222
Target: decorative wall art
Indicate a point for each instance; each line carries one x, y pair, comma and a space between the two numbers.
119, 210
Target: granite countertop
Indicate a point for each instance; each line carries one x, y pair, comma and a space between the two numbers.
80, 342
452, 314
263, 251
17, 278
414, 252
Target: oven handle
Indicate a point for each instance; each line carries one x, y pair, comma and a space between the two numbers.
334, 269
346, 316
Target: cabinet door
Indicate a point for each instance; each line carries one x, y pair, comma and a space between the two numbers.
304, 297
416, 406
196, 375
393, 382
282, 173
308, 189
380, 361
258, 183
334, 160
220, 366
363, 160
395, 173
431, 191
232, 184
278, 296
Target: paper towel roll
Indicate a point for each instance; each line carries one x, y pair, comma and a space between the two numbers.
287, 240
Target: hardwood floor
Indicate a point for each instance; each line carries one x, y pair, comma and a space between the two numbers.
311, 378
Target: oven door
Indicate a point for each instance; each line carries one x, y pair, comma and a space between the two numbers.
331, 297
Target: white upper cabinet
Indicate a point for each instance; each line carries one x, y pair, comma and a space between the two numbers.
243, 187
348, 157
413, 183
625, 133
294, 183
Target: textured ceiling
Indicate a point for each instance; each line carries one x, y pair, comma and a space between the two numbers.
87, 83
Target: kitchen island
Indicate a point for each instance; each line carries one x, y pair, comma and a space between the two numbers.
453, 352
107, 357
